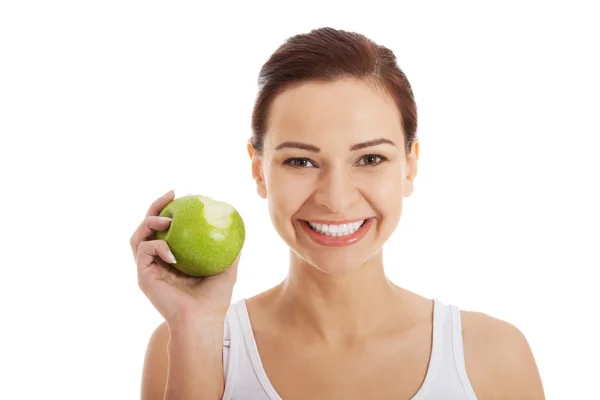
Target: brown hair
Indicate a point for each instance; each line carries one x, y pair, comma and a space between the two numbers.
326, 55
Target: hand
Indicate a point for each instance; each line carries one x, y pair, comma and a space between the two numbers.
175, 295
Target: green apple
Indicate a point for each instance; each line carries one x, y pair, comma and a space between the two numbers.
205, 236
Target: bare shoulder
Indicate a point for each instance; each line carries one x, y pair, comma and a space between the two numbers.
498, 359
156, 364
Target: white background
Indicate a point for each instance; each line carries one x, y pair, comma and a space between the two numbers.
106, 105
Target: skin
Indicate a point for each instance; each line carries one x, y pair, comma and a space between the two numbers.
356, 334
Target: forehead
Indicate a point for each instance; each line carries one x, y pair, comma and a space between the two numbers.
350, 110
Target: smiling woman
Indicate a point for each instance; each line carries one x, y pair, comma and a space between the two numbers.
334, 151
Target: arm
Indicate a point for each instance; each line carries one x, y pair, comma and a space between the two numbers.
184, 362
499, 360
517, 370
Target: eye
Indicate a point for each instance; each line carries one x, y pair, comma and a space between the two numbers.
299, 163
369, 160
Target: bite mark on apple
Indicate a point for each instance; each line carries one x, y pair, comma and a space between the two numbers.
217, 213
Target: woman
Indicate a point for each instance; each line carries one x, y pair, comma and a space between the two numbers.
334, 151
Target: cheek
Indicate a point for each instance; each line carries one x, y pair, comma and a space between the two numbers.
287, 191
385, 192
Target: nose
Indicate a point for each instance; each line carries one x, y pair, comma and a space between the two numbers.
336, 190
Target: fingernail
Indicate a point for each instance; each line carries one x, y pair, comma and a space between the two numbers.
172, 257
169, 192
164, 219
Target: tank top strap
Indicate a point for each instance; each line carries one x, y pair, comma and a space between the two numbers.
440, 322
245, 377
232, 347
458, 350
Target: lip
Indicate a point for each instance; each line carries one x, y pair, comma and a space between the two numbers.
337, 241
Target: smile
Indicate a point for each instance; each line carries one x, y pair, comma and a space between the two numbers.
342, 234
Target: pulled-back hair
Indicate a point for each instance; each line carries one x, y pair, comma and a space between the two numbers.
326, 55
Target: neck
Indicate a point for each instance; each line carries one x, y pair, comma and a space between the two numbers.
338, 308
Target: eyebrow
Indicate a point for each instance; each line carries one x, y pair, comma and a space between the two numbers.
370, 143
315, 149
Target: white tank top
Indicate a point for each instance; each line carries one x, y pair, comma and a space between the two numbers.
245, 377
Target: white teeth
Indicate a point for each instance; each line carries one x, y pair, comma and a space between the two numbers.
337, 230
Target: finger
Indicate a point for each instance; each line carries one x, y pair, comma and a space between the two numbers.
147, 229
147, 250
160, 203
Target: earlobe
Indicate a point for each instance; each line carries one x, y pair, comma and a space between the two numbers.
260, 189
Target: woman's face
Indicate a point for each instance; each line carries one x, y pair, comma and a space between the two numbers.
334, 171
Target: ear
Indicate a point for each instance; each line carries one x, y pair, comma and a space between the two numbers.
411, 169
257, 171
